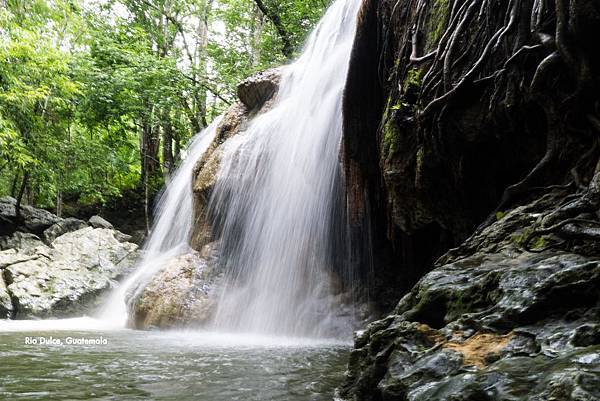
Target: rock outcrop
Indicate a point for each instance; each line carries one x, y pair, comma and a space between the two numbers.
256, 95
63, 275
183, 294
455, 111
33, 220
492, 321
258, 89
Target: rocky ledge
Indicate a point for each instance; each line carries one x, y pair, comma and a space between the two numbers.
503, 317
64, 269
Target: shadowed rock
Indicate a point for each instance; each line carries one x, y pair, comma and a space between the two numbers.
256, 90
490, 322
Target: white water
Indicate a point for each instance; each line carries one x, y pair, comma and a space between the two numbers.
275, 200
170, 234
277, 196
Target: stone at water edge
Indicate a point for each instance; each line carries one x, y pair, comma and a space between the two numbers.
66, 278
497, 323
183, 294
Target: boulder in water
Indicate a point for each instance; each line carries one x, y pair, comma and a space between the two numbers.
65, 277
491, 322
182, 294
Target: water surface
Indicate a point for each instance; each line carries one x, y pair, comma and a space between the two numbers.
136, 365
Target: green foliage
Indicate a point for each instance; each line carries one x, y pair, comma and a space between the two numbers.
93, 91
250, 43
414, 79
390, 129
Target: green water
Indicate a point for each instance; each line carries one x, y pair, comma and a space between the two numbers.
135, 365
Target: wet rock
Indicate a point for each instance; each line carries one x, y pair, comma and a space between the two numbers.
99, 222
183, 294
256, 90
490, 322
65, 277
63, 227
256, 96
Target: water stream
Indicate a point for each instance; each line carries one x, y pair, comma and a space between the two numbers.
171, 232
278, 198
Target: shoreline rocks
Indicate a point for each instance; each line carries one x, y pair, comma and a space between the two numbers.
491, 322
64, 271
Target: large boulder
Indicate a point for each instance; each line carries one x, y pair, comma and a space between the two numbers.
493, 321
65, 277
183, 294
33, 220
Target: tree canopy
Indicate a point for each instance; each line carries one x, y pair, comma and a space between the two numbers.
98, 97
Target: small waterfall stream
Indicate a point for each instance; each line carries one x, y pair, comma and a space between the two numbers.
278, 195
277, 207
171, 231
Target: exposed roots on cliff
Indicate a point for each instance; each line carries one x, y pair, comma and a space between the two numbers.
506, 55
574, 222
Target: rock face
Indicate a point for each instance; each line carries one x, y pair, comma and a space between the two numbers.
64, 275
256, 95
183, 294
492, 321
445, 125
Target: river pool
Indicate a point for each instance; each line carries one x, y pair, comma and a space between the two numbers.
136, 365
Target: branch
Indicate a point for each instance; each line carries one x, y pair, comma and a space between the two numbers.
287, 49
207, 87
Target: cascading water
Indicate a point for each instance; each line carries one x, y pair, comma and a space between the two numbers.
277, 195
171, 232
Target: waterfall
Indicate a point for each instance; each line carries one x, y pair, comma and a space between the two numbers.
277, 201
170, 233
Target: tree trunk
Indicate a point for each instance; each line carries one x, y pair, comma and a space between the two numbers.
24, 182
257, 31
168, 161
